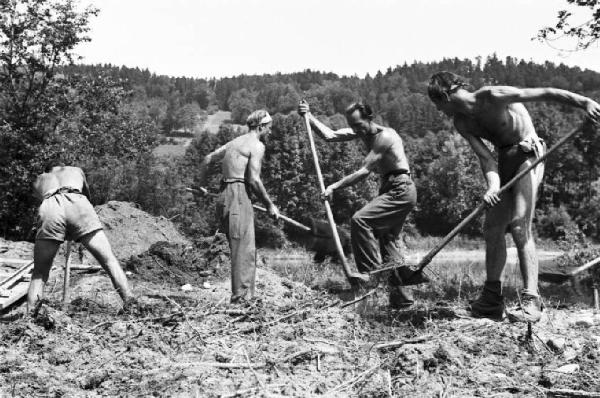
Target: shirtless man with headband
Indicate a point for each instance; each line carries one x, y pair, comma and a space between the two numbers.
241, 160
496, 114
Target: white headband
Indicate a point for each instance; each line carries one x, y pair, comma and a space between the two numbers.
265, 120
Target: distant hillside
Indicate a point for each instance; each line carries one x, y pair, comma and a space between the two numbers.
215, 120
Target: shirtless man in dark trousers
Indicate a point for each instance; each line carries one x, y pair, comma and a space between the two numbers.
241, 160
496, 114
66, 213
375, 229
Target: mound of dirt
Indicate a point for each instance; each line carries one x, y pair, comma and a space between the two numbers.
132, 231
180, 264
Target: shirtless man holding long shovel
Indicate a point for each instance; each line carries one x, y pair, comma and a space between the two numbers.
496, 114
241, 160
375, 229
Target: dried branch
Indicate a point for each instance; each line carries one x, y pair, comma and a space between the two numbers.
398, 343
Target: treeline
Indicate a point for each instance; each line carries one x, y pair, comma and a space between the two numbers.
398, 93
107, 120
447, 174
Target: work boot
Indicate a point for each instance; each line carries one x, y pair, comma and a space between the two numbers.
490, 303
400, 297
528, 310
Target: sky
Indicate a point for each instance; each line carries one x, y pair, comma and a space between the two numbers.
218, 38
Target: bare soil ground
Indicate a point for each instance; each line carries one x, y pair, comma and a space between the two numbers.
297, 340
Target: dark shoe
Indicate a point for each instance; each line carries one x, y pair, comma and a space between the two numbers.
489, 305
400, 297
529, 310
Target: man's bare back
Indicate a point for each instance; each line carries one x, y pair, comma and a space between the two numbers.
237, 153
59, 177
499, 123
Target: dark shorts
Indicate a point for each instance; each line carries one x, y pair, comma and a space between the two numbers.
66, 216
511, 158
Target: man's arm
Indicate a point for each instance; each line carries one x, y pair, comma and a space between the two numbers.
487, 162
508, 94
367, 168
329, 135
208, 159
345, 134
253, 176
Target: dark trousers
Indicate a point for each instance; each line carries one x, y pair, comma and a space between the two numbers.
376, 227
237, 221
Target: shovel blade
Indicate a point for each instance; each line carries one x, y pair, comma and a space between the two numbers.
554, 277
407, 276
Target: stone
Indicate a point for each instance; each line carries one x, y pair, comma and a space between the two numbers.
556, 344
187, 287
569, 368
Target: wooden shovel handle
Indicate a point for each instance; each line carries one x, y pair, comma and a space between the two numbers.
334, 232
67, 276
286, 219
585, 266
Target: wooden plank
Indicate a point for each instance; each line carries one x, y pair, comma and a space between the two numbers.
16, 284
14, 260
7, 283
17, 292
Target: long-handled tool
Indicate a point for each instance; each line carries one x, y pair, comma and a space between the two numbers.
286, 219
560, 277
67, 276
412, 276
352, 276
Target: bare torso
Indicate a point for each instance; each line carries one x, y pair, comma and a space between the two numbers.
388, 144
59, 177
501, 125
237, 154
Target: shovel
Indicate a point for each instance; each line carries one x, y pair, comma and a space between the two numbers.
286, 219
560, 277
353, 277
410, 276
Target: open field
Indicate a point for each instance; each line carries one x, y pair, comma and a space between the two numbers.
178, 149
298, 340
215, 120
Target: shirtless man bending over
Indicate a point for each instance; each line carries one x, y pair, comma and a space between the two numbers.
375, 229
66, 213
496, 114
241, 160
